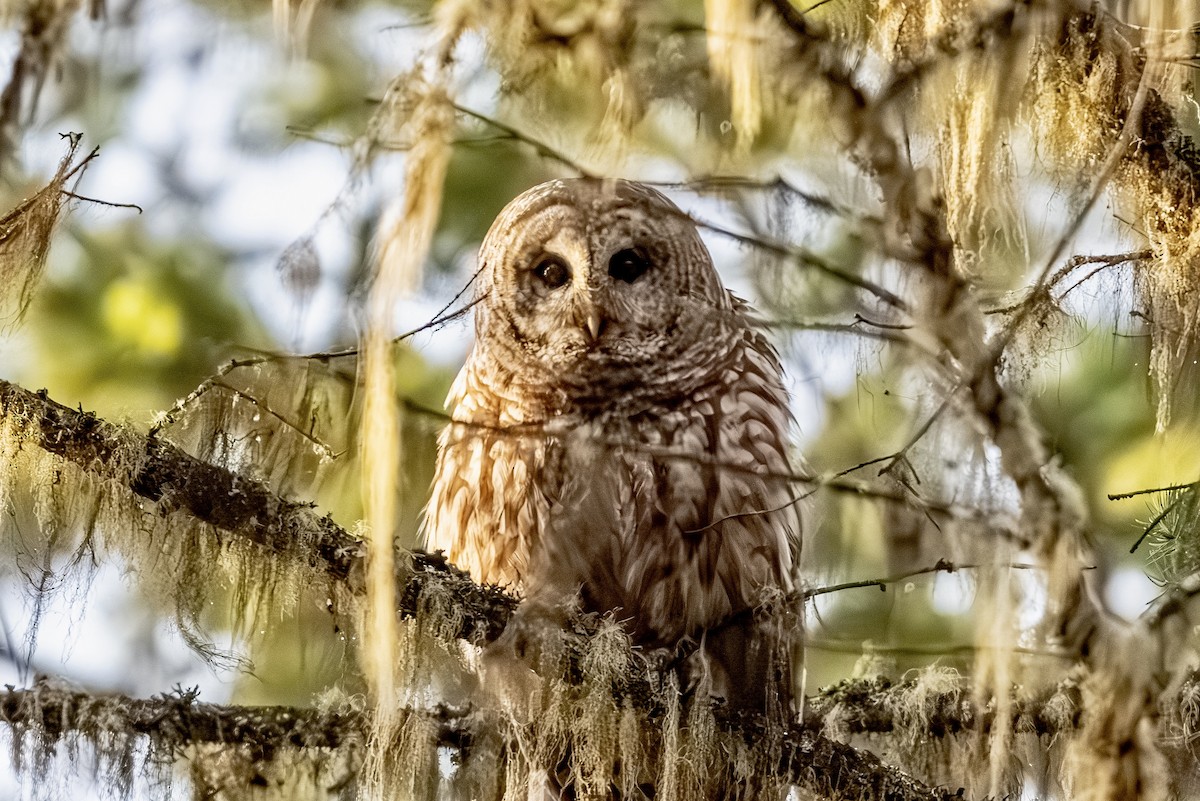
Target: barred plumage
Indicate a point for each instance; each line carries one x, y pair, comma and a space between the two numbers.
620, 429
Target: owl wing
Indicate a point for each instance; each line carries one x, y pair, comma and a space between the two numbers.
486, 505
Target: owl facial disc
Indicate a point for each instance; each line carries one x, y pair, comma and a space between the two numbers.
588, 278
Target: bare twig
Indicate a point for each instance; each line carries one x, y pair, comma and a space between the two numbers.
942, 566
100, 202
1120, 496
797, 254
1074, 263
441, 318
1172, 602
1116, 153
318, 445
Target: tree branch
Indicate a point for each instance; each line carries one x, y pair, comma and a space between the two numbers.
810, 759
172, 722
870, 705
175, 480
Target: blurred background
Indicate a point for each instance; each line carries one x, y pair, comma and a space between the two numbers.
260, 199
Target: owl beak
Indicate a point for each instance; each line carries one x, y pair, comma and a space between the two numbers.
594, 324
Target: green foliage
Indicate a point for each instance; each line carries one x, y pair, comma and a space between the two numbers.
128, 321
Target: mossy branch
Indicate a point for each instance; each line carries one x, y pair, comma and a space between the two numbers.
174, 720
944, 706
177, 721
177, 481
174, 480
836, 770
817, 763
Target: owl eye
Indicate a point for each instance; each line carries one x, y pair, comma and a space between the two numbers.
552, 271
628, 265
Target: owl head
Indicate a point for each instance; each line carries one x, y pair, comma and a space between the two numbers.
595, 275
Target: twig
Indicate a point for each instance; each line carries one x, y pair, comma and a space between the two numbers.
722, 182
1074, 263
321, 447
902, 454
942, 566
441, 318
835, 328
1123, 495
807, 259
1171, 602
1114, 157
99, 202
833, 484
538, 145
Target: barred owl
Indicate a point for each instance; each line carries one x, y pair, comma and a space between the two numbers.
619, 431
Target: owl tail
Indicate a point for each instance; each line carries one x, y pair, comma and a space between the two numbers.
754, 661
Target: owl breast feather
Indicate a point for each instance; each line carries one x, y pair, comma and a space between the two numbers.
676, 516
